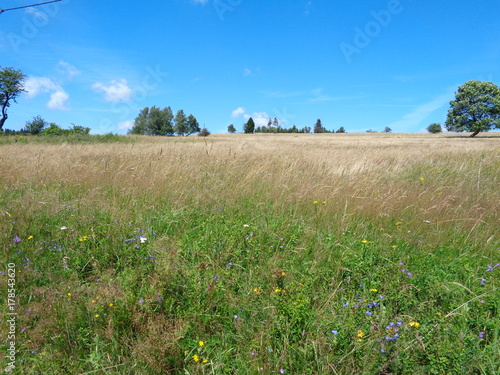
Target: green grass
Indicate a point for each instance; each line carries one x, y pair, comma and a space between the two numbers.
135, 283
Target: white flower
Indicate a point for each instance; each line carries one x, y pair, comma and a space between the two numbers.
142, 239
245, 225
63, 228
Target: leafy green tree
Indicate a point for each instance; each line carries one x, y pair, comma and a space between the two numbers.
35, 125
387, 130
11, 85
434, 128
153, 121
340, 130
181, 124
231, 129
141, 122
318, 127
192, 125
249, 126
306, 129
294, 129
53, 129
476, 108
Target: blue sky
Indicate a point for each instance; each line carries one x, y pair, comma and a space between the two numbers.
363, 64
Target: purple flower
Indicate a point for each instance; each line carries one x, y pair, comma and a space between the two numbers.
369, 313
345, 304
335, 332
141, 301
16, 239
282, 371
409, 274
481, 335
236, 317
483, 281
230, 264
216, 278
159, 299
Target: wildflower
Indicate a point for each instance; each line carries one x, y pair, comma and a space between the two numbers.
30, 237
245, 225
141, 301
481, 335
64, 228
16, 239
256, 290
368, 313
483, 281
315, 202
196, 358
216, 278
282, 371
201, 343
394, 246
96, 316
409, 274
345, 304
277, 290
360, 334
324, 202
69, 294
335, 332
373, 290
159, 299
414, 324
398, 223
205, 360
236, 317
143, 239
421, 179
82, 239
364, 241
110, 305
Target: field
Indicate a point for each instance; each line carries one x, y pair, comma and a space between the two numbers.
252, 254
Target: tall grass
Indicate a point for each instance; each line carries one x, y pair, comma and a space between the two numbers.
243, 254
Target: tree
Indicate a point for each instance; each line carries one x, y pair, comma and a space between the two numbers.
35, 125
341, 130
434, 128
231, 129
387, 130
192, 125
11, 85
249, 127
153, 121
204, 132
181, 125
318, 127
476, 108
306, 129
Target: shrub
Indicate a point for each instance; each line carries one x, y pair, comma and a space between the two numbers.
434, 128
204, 132
35, 126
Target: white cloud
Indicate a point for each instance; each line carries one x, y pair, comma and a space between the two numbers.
116, 91
39, 85
260, 118
67, 69
125, 125
238, 112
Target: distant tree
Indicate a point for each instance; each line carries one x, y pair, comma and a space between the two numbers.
11, 85
306, 129
35, 125
153, 121
269, 123
204, 132
341, 130
231, 129
371, 131
387, 130
249, 126
294, 129
276, 123
434, 128
53, 129
78, 129
192, 125
318, 127
181, 124
476, 108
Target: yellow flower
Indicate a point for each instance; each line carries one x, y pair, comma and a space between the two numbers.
186, 352
93, 301
84, 238
414, 324
421, 179
277, 290
30, 237
201, 343
366, 241
256, 290
439, 314
373, 290
360, 334
398, 223
196, 358
96, 316
315, 202
394, 246
110, 304
324, 202
205, 360
69, 294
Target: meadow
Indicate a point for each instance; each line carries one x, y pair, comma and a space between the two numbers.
252, 254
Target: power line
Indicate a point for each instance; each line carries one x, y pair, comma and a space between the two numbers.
28, 6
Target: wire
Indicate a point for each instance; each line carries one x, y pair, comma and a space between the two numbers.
28, 6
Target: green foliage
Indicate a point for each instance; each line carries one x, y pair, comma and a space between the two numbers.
35, 125
434, 128
249, 126
318, 127
192, 125
341, 130
387, 130
181, 124
476, 108
154, 121
231, 129
11, 85
204, 132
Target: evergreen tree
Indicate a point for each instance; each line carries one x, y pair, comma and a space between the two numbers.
192, 125
318, 127
249, 126
181, 124
231, 129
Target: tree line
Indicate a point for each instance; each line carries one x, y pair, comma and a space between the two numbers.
156, 121
273, 126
